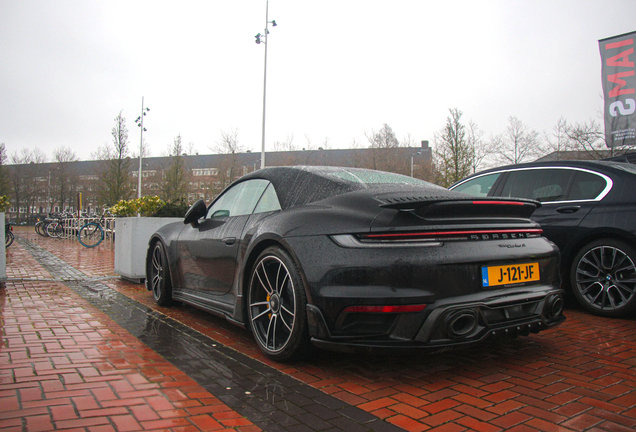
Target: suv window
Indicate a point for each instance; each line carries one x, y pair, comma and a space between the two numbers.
586, 186
543, 185
480, 186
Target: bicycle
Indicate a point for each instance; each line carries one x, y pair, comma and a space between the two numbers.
40, 226
57, 227
92, 233
8, 235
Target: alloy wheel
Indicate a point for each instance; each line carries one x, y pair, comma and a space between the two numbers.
157, 272
272, 303
606, 278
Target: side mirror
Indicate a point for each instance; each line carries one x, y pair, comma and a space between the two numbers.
194, 213
220, 214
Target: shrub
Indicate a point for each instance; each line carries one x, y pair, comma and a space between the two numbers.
146, 206
5, 203
177, 208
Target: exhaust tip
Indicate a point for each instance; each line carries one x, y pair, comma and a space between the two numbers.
554, 306
462, 323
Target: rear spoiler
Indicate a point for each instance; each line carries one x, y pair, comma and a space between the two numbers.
464, 207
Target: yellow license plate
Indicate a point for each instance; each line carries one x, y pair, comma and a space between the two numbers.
509, 274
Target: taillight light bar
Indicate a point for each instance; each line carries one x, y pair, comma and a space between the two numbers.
386, 309
500, 202
445, 234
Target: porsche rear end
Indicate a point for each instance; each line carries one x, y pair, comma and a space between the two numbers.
433, 273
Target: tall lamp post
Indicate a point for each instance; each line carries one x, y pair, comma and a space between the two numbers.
412, 156
49, 190
264, 41
140, 123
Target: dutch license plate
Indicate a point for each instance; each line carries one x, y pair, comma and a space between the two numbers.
509, 274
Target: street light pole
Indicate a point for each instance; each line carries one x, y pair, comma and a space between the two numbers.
258, 41
412, 156
140, 123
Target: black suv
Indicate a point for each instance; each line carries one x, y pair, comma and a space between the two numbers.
589, 211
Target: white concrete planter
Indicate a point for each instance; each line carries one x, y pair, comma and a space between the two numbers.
3, 254
132, 235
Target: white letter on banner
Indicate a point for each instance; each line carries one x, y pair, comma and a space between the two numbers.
618, 106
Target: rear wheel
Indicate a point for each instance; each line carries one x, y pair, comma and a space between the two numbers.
39, 228
8, 238
53, 229
159, 275
64, 231
276, 306
603, 278
90, 235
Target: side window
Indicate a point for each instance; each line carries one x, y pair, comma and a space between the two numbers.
269, 201
586, 186
249, 196
223, 205
543, 185
239, 200
479, 186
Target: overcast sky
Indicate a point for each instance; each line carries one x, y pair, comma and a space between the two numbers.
335, 69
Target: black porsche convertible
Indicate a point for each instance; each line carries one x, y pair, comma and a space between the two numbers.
357, 260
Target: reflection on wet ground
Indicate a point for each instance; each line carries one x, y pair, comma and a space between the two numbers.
267, 397
579, 376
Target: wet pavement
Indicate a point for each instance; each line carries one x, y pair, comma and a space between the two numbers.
82, 349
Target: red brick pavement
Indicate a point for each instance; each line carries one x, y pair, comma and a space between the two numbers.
64, 365
579, 376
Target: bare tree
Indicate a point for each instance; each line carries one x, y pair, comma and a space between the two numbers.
558, 140
482, 150
25, 183
190, 149
518, 143
587, 137
66, 179
286, 145
228, 148
115, 178
5, 186
384, 138
382, 144
309, 145
145, 151
454, 157
174, 186
408, 141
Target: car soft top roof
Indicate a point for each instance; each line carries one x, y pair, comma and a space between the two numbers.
301, 185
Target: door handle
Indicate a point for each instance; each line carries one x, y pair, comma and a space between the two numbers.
229, 240
569, 209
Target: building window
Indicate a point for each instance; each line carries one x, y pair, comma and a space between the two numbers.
205, 171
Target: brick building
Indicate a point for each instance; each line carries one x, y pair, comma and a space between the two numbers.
56, 187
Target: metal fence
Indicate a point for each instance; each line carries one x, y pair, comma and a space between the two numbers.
73, 225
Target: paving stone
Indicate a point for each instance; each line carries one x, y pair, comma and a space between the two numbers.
580, 374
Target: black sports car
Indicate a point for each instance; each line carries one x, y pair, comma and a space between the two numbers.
589, 211
354, 259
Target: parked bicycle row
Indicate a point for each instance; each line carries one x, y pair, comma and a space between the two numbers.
90, 230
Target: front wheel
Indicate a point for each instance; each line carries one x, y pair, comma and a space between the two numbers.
603, 278
90, 235
276, 307
159, 276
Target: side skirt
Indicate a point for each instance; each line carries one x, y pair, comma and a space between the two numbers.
214, 307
